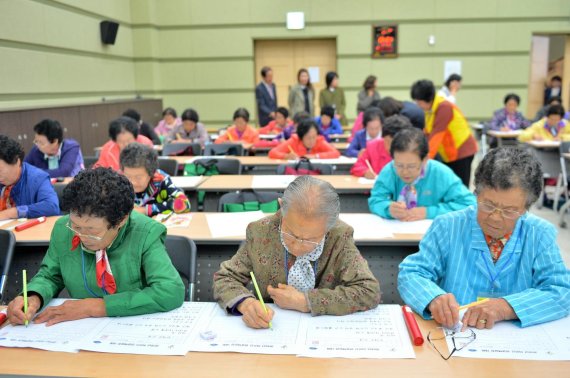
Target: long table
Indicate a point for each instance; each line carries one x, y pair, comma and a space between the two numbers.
354, 192
426, 364
383, 254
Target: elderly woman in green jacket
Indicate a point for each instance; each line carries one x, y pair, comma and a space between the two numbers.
110, 258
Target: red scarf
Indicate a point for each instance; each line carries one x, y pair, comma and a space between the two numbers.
105, 279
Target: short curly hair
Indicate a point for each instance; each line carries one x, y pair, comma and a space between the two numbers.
507, 168
10, 150
137, 155
100, 192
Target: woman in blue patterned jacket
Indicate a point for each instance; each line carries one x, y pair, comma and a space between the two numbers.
495, 250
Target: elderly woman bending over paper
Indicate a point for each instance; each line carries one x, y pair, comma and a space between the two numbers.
303, 258
496, 250
109, 257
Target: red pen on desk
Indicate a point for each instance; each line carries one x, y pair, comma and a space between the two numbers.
413, 327
30, 223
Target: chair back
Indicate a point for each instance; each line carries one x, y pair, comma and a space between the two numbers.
183, 253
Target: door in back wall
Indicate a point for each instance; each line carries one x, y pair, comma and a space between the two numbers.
286, 57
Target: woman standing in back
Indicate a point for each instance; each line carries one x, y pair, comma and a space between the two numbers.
302, 95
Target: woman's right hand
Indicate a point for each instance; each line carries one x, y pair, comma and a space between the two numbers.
445, 310
398, 210
291, 156
16, 309
253, 314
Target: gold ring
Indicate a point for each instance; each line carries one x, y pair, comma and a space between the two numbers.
483, 321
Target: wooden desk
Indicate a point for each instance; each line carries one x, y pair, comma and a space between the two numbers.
341, 146
354, 195
544, 144
383, 255
339, 137
501, 135
426, 364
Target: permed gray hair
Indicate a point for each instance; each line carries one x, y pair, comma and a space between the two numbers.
313, 198
136, 155
510, 167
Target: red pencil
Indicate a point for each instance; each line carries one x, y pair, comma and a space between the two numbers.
413, 327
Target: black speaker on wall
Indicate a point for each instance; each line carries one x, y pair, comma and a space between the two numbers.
109, 32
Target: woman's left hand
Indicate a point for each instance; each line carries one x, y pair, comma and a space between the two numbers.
488, 313
288, 297
72, 310
416, 214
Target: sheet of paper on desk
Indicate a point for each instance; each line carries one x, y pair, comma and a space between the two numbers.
545, 143
513, 133
399, 227
3, 222
187, 182
60, 337
231, 224
377, 333
367, 226
165, 333
364, 180
506, 340
271, 181
232, 335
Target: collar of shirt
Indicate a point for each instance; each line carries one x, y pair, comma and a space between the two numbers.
56, 156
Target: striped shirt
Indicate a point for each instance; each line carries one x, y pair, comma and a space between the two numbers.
454, 258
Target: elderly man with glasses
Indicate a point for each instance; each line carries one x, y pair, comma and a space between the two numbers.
495, 251
303, 258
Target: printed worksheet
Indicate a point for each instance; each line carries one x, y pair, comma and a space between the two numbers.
59, 337
228, 333
165, 333
506, 340
271, 181
223, 225
377, 333
367, 226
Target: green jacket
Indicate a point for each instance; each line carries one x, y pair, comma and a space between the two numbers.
147, 282
344, 283
335, 99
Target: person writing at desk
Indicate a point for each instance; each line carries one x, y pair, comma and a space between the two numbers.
191, 130
495, 250
303, 258
306, 143
411, 187
111, 259
240, 132
552, 128
373, 122
154, 191
25, 191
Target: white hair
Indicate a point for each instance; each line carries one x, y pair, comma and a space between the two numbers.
313, 198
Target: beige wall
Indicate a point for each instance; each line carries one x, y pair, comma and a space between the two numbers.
200, 53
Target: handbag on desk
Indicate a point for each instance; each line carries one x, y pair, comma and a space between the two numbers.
302, 168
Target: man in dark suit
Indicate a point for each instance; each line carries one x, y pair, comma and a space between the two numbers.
266, 97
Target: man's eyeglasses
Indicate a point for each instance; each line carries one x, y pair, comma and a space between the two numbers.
486, 207
459, 340
90, 237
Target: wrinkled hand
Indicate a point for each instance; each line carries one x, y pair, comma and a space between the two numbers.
291, 156
253, 314
72, 310
415, 214
16, 309
445, 310
398, 210
288, 297
488, 313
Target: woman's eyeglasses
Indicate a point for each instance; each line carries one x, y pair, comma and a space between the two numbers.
90, 237
459, 340
486, 207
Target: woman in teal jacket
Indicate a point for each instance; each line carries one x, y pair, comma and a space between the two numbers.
495, 250
411, 187
110, 258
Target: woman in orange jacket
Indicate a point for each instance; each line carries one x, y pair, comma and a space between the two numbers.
240, 132
306, 143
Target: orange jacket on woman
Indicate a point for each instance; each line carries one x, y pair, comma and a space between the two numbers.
322, 149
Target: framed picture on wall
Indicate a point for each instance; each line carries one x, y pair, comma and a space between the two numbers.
385, 41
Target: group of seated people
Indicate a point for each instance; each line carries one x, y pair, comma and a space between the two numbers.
114, 262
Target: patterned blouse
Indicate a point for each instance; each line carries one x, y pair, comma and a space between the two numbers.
162, 196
